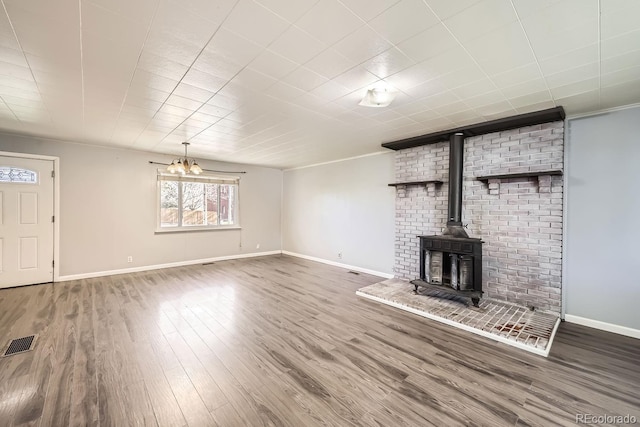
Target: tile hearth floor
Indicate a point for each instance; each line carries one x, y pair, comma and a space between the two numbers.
505, 322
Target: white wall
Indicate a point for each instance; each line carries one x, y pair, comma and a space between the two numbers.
602, 219
108, 209
343, 207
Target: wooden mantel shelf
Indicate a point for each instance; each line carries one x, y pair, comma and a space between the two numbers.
520, 175
404, 184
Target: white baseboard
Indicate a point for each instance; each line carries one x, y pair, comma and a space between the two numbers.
337, 264
159, 266
603, 326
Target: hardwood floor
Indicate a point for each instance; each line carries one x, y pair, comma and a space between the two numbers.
284, 342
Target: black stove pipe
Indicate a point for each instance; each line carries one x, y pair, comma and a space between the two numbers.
456, 159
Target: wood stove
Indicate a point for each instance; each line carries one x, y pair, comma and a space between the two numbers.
452, 262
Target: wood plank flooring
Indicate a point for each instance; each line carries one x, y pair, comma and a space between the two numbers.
280, 341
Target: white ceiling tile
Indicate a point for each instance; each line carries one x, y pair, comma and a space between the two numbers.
621, 76
620, 45
481, 18
576, 74
253, 80
575, 88
517, 75
582, 103
12, 56
526, 88
331, 90
465, 76
285, 91
59, 11
255, 23
368, 9
496, 111
618, 19
291, 11
329, 21
449, 109
411, 77
362, 45
526, 8
273, 65
162, 43
560, 16
162, 66
140, 11
502, 49
356, 78
446, 8
443, 98
473, 89
622, 94
428, 43
403, 20
17, 71
186, 103
192, 92
387, 63
173, 18
297, 45
621, 62
463, 118
233, 48
35, 37
305, 79
212, 11
531, 99
486, 98
536, 107
582, 56
330, 63
566, 26
143, 80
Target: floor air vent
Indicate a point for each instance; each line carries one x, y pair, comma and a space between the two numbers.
20, 345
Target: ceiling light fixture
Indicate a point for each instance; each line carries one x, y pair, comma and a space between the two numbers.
186, 165
378, 97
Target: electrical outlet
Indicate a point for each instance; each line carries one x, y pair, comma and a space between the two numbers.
129, 258
258, 246
339, 255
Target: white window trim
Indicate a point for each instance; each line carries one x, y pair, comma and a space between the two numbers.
228, 180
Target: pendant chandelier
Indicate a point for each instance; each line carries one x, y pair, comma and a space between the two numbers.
185, 165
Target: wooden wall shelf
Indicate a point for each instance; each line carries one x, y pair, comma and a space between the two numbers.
406, 184
554, 172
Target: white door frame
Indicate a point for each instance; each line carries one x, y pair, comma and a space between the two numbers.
56, 204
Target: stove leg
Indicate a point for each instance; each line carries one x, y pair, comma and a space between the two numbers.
415, 289
475, 302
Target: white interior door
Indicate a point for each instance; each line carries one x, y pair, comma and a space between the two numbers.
26, 221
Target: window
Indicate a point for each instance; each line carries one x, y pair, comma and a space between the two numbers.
197, 202
17, 175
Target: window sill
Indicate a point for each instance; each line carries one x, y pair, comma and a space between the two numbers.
192, 229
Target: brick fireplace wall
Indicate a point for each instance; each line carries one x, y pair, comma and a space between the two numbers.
519, 219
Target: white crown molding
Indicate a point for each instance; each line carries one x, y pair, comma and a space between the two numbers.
339, 160
599, 112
